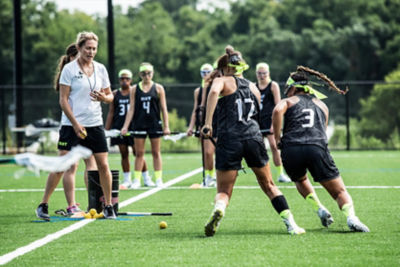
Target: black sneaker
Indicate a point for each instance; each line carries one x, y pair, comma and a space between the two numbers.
108, 213
42, 212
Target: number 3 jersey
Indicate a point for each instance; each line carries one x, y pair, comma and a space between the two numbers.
304, 124
147, 110
237, 116
121, 107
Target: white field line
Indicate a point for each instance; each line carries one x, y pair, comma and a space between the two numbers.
51, 237
185, 187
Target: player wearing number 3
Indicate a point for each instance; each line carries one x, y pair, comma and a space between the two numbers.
304, 145
147, 100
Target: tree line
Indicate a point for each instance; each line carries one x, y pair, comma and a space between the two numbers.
346, 39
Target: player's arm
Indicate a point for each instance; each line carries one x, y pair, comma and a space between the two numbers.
130, 113
277, 119
193, 117
256, 92
324, 108
216, 89
163, 104
65, 90
110, 114
276, 92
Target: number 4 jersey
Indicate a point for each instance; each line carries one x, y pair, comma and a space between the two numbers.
304, 124
147, 110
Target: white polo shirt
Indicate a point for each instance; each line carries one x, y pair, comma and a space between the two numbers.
87, 112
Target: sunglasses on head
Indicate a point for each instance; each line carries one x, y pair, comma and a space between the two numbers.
144, 73
262, 72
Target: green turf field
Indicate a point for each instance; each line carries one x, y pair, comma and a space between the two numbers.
251, 233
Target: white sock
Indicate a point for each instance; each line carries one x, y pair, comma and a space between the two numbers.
145, 175
220, 205
127, 176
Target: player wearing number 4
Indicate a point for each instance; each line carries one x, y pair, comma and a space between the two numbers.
304, 145
115, 120
147, 100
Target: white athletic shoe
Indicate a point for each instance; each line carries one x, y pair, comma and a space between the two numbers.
159, 182
148, 182
125, 185
283, 178
210, 181
213, 223
292, 227
135, 184
325, 216
355, 225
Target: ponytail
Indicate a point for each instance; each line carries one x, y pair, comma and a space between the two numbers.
71, 51
323, 77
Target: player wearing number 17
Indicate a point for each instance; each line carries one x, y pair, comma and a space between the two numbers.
239, 137
147, 100
304, 145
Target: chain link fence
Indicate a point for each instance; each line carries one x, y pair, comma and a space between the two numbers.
41, 101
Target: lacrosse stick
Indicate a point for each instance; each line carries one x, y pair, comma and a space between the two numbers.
38, 163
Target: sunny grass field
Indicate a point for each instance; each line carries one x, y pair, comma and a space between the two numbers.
251, 234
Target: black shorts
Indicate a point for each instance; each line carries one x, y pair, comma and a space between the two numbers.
95, 139
298, 159
122, 140
265, 126
229, 154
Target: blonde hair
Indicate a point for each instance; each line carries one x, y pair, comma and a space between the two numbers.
85, 36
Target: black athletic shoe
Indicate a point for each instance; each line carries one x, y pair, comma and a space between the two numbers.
42, 212
108, 213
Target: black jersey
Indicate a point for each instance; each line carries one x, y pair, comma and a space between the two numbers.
304, 124
147, 110
121, 107
237, 114
267, 105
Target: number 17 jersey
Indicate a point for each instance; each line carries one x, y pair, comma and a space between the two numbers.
147, 110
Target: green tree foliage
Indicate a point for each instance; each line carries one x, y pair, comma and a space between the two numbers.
380, 112
346, 39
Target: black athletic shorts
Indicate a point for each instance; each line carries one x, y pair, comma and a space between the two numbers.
95, 139
298, 159
152, 133
229, 154
122, 140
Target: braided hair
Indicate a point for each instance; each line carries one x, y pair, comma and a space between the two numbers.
301, 76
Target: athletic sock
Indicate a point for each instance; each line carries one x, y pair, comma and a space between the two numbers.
285, 214
280, 204
280, 169
158, 174
137, 175
312, 198
212, 172
220, 205
207, 172
145, 175
127, 176
348, 210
